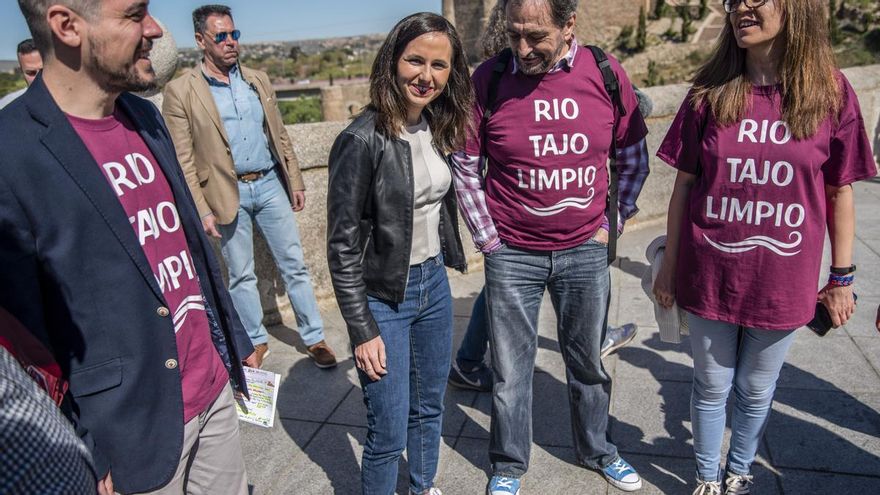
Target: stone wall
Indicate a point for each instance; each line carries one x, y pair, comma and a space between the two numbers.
313, 141
340, 102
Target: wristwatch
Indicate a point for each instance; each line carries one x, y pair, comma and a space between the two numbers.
846, 270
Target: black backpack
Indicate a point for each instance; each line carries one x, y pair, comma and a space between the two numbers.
612, 87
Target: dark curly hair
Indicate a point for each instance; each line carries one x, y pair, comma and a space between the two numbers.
449, 115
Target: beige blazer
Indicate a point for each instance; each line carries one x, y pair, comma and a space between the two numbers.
203, 147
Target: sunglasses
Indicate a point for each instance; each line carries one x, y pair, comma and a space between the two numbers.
730, 6
221, 37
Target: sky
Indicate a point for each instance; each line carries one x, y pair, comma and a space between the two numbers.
258, 20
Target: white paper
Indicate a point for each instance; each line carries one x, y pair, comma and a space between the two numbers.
263, 388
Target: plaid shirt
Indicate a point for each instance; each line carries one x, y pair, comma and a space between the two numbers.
632, 165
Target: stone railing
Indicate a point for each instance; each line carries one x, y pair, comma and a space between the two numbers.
313, 141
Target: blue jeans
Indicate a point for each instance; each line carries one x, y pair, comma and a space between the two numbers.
265, 202
405, 407
749, 359
579, 285
472, 352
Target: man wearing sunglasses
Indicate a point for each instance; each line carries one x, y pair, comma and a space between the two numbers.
241, 169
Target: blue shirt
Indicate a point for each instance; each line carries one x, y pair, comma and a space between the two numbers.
242, 115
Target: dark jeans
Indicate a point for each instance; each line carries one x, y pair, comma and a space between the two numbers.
579, 284
476, 338
405, 407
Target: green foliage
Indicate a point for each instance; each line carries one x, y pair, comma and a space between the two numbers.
624, 41
625, 36
642, 32
660, 9
854, 56
857, 38
340, 63
698, 57
704, 9
301, 110
686, 23
295, 53
653, 78
10, 83
872, 41
833, 24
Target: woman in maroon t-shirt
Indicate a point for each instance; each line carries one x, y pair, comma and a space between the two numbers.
766, 145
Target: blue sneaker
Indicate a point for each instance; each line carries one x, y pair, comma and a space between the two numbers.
615, 338
500, 485
620, 474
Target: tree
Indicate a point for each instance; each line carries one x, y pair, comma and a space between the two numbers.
659, 9
653, 78
295, 53
833, 25
624, 39
686, 23
642, 31
704, 8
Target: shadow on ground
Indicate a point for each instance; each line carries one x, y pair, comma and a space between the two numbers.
809, 431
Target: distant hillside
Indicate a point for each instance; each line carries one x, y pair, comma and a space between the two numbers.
8, 65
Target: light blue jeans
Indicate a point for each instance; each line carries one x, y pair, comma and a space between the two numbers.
749, 360
265, 202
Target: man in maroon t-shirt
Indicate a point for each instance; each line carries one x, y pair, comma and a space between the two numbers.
539, 216
103, 259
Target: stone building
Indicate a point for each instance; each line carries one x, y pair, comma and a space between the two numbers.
598, 20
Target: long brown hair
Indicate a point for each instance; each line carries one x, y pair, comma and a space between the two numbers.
810, 85
449, 115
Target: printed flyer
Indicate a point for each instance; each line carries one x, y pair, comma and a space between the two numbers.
263, 388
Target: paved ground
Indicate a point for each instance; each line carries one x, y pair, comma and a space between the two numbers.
710, 27
823, 436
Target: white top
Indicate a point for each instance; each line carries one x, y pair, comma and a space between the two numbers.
431, 180
9, 98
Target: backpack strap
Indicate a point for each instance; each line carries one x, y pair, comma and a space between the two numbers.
491, 97
612, 87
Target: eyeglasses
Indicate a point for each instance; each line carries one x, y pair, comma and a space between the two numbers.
221, 37
730, 6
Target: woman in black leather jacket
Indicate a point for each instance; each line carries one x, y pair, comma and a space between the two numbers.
392, 225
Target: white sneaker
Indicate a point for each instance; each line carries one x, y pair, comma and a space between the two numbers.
737, 484
708, 488
430, 491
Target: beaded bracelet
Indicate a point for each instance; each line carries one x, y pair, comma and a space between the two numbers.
841, 280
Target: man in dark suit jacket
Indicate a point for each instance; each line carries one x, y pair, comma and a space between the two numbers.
103, 259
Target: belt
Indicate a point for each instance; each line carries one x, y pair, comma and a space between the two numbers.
252, 176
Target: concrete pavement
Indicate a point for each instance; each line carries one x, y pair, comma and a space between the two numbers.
823, 436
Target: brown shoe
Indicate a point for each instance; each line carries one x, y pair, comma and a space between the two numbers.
322, 355
262, 350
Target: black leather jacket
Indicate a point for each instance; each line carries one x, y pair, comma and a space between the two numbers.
369, 223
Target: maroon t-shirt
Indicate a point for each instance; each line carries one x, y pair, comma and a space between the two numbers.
139, 183
548, 143
752, 237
